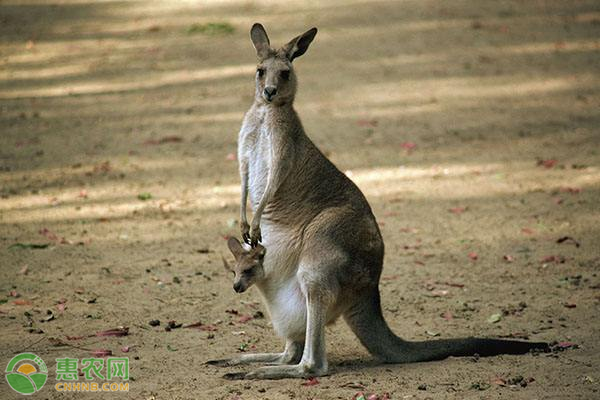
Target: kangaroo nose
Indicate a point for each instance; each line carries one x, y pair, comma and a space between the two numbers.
270, 91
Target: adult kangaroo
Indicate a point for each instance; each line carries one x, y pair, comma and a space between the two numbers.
324, 251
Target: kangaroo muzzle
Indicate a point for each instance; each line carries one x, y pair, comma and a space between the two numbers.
269, 92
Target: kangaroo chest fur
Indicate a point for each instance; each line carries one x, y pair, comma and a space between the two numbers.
284, 299
254, 148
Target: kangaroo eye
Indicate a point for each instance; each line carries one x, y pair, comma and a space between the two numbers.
285, 75
260, 72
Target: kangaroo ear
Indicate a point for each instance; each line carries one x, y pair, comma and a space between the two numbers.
260, 40
298, 45
235, 247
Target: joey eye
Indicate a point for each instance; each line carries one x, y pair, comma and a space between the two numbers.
260, 72
285, 75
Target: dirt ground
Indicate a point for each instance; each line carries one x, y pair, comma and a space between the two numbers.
473, 128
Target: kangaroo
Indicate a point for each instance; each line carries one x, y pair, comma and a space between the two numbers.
324, 249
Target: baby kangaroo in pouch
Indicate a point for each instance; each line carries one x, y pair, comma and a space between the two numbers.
324, 250
248, 265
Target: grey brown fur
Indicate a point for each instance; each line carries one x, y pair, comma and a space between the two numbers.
324, 251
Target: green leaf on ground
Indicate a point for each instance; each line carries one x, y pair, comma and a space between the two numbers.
494, 318
211, 28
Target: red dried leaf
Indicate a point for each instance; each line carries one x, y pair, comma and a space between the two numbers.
121, 331
527, 231
22, 302
103, 167
367, 122
408, 230
508, 258
499, 381
473, 256
408, 145
53, 236
550, 163
101, 353
447, 316
244, 318
48, 234
457, 210
560, 45
571, 190
310, 382
208, 328
202, 327
566, 345
555, 259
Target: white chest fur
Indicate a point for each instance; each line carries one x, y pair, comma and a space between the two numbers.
255, 150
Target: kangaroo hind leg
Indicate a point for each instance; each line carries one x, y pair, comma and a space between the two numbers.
314, 359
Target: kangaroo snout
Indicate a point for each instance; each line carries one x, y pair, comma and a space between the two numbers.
270, 92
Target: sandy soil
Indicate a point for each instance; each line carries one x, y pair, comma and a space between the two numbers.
471, 126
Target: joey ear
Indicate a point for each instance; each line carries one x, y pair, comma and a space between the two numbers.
298, 45
259, 251
235, 247
260, 40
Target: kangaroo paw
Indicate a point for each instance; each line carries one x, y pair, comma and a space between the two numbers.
225, 362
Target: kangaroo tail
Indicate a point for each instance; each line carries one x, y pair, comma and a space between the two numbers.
366, 321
